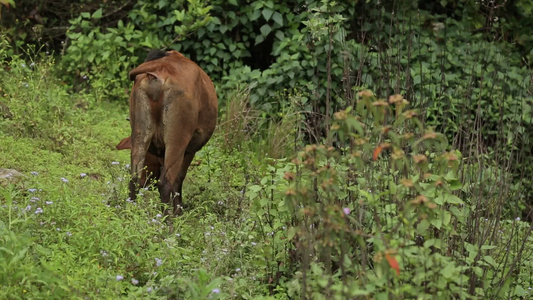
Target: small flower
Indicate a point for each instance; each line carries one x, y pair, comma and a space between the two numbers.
32, 190
115, 163
158, 216
238, 270
253, 243
34, 199
28, 208
346, 210
517, 219
23, 65
32, 64
103, 253
119, 277
84, 77
134, 281
178, 235
68, 233
215, 291
58, 229
220, 202
39, 210
64, 179
158, 262
127, 166
34, 173
149, 289
49, 202
83, 175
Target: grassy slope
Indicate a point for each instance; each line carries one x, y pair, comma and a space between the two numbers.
87, 234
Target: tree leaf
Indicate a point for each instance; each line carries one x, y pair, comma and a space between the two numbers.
265, 30
278, 18
267, 13
97, 14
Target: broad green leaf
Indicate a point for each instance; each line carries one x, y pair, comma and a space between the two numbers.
267, 13
97, 14
265, 30
278, 18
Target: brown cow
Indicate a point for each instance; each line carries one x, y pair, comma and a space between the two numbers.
173, 112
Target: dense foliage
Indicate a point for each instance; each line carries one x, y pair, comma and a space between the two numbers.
312, 187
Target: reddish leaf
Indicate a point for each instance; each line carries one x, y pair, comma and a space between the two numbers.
393, 263
377, 151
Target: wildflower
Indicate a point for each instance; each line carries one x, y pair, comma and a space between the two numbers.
253, 243
158, 262
39, 210
49, 202
28, 208
34, 199
58, 229
115, 163
158, 216
238, 270
346, 210
220, 202
215, 291
517, 219
84, 77
134, 281
103, 253
119, 277
178, 235
68, 233
149, 289
127, 166
34, 173
83, 175
64, 179
32, 190
23, 65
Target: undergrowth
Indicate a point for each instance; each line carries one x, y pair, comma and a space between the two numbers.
381, 210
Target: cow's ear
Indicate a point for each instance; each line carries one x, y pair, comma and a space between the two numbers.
124, 144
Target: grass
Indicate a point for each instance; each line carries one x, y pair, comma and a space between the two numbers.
322, 225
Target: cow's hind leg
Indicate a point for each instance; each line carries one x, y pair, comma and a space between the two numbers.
169, 184
143, 129
181, 177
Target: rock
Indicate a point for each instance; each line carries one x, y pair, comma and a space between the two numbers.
8, 176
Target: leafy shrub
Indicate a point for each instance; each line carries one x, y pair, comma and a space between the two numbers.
379, 216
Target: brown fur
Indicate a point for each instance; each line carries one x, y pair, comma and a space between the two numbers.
173, 110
